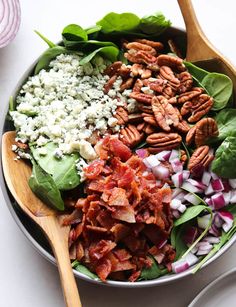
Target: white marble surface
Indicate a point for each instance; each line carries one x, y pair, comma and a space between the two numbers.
26, 278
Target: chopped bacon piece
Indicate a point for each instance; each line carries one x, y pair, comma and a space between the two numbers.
118, 198
166, 195
125, 214
120, 150
119, 231
103, 269
94, 169
100, 249
79, 251
122, 254
73, 218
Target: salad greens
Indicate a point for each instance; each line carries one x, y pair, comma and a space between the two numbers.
43, 185
63, 170
82, 269
153, 272
226, 122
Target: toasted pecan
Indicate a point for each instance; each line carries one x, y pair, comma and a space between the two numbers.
201, 157
130, 135
163, 141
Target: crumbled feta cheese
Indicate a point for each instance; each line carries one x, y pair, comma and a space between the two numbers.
87, 151
66, 104
80, 166
14, 148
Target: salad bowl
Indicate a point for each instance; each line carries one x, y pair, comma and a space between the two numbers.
38, 239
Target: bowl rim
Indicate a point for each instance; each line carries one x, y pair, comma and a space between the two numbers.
163, 280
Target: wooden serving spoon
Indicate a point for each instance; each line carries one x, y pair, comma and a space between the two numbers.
200, 50
17, 174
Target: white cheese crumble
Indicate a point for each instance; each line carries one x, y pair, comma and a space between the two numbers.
66, 104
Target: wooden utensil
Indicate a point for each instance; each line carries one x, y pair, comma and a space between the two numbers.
16, 175
200, 50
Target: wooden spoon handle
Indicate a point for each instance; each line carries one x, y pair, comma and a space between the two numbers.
58, 238
198, 47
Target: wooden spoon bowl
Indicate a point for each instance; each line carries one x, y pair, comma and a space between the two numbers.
17, 173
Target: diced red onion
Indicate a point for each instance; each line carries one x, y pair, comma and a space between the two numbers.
142, 153
206, 178
177, 179
228, 218
180, 266
177, 165
197, 184
192, 199
209, 190
182, 208
204, 245
10, 16
161, 243
212, 240
175, 192
190, 235
214, 230
208, 201
174, 155
163, 155
214, 176
161, 172
218, 201
227, 197
217, 220
202, 252
233, 197
203, 221
227, 186
232, 182
175, 204
151, 161
191, 259
217, 185
190, 188
186, 174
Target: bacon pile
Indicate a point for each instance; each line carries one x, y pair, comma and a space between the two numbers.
124, 218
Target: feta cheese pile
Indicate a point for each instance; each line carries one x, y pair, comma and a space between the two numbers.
66, 104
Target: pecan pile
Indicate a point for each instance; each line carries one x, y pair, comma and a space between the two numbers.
168, 108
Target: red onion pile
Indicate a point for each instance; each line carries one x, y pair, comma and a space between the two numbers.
9, 20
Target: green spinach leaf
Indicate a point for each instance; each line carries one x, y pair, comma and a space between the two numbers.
74, 32
225, 158
154, 24
110, 52
177, 242
153, 272
87, 45
220, 87
189, 214
226, 121
93, 29
43, 185
114, 22
198, 73
48, 56
47, 41
63, 170
82, 269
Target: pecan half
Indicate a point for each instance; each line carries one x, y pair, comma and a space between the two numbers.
183, 156
186, 82
198, 107
109, 84
137, 86
187, 96
202, 131
130, 135
201, 157
122, 116
164, 113
140, 97
171, 61
112, 69
149, 118
145, 108
140, 70
183, 127
154, 84
124, 71
156, 45
163, 141
168, 74
141, 57
127, 84
140, 46
135, 118
147, 128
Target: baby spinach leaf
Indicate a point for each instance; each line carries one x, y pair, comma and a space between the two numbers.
220, 87
177, 242
114, 22
189, 214
110, 52
154, 24
74, 32
82, 269
43, 185
47, 41
225, 158
87, 45
226, 121
153, 272
48, 56
63, 170
198, 73
93, 29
